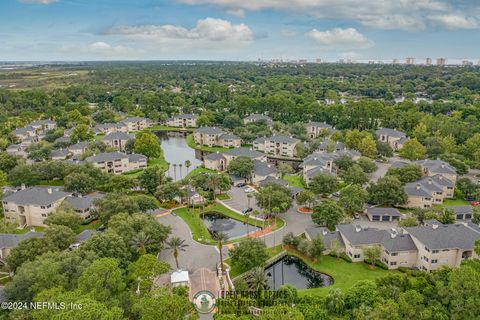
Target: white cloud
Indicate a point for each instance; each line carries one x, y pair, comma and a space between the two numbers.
409, 15
341, 38
37, 1
102, 49
208, 33
288, 33
455, 21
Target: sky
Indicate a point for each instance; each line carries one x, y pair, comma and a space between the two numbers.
239, 30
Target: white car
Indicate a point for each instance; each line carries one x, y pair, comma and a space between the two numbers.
249, 190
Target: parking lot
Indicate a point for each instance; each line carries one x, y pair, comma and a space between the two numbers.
239, 201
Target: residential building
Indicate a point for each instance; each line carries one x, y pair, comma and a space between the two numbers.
42, 126
328, 237
183, 121
443, 244
395, 61
78, 148
59, 154
324, 162
428, 61
428, 191
117, 162
214, 136
215, 161
219, 161
118, 140
410, 61
328, 145
462, 212
263, 170
17, 150
393, 137
277, 145
316, 129
8, 241
383, 214
136, 123
441, 61
31, 206
438, 167
255, 117
83, 205
106, 128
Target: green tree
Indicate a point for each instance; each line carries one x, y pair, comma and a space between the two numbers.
81, 132
387, 191
352, 198
23, 174
335, 301
241, 167
148, 144
466, 186
103, 279
306, 197
316, 248
408, 173
168, 191
344, 162
144, 271
28, 250
79, 182
221, 238
273, 196
284, 169
60, 236
257, 279
169, 305
249, 254
413, 150
372, 253
108, 245
476, 215
354, 175
176, 245
367, 165
328, 213
324, 184
150, 178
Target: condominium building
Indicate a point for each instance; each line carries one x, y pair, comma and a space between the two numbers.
316, 129
136, 123
118, 140
395, 138
117, 162
410, 61
441, 61
278, 145
183, 121
214, 136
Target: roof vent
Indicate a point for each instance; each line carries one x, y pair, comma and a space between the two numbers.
324, 232
358, 228
418, 186
443, 165
429, 181
435, 226
393, 235
23, 186
49, 190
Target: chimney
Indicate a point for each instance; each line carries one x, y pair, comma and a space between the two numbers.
393, 234
434, 226
443, 165
23, 186
49, 190
418, 186
324, 232
358, 228
429, 181
440, 177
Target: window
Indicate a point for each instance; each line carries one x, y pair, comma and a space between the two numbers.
42, 207
393, 263
434, 260
44, 214
426, 249
49, 206
394, 254
357, 256
435, 251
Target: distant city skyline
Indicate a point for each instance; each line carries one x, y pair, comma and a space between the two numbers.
234, 30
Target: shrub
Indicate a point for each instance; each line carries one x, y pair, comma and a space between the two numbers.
290, 240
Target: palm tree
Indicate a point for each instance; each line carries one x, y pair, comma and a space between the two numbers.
221, 238
258, 279
212, 183
174, 171
247, 216
187, 165
141, 241
176, 244
180, 166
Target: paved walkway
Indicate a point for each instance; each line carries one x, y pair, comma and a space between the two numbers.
196, 255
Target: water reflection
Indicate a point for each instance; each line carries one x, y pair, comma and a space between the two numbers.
291, 270
176, 152
217, 222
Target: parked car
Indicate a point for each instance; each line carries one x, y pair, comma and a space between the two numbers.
247, 210
101, 228
474, 203
74, 246
241, 185
249, 190
469, 198
336, 194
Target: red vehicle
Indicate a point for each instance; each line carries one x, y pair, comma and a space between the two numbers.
474, 203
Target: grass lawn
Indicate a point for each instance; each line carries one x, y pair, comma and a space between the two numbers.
197, 171
26, 229
159, 127
345, 274
295, 181
455, 202
236, 270
92, 225
99, 137
199, 230
223, 196
159, 162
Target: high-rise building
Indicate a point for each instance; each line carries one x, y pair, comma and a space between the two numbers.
467, 63
428, 61
396, 61
410, 61
318, 60
441, 61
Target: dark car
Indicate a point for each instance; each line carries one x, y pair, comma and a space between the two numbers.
101, 228
247, 210
469, 198
241, 185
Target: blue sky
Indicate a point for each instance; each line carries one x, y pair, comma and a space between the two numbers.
42, 30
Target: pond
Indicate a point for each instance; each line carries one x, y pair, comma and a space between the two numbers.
217, 222
176, 151
293, 271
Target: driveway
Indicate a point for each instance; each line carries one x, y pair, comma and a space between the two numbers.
382, 169
196, 255
239, 200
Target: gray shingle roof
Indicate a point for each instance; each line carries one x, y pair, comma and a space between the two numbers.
258, 117
384, 212
59, 153
283, 139
83, 202
134, 119
313, 172
42, 122
447, 236
390, 132
8, 240
263, 169
417, 189
209, 130
401, 242
271, 179
185, 116
321, 125
229, 136
244, 152
80, 145
118, 136
36, 196
461, 209
364, 236
437, 166
136, 157
107, 156
214, 156
328, 236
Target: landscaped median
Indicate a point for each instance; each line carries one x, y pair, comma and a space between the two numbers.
193, 218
